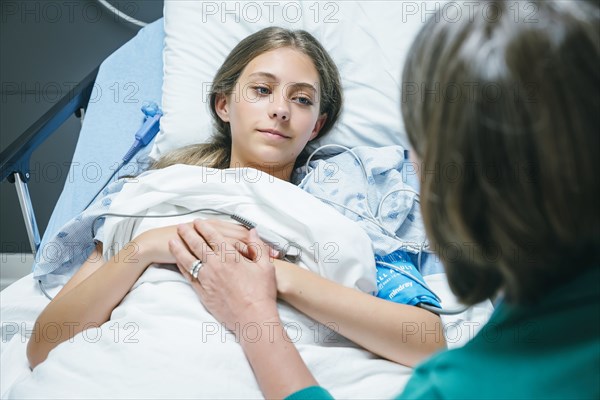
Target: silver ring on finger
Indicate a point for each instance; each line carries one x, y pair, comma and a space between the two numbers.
196, 266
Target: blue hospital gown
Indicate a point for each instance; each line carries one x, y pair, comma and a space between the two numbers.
59, 257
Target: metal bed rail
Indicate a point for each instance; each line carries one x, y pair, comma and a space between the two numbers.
15, 159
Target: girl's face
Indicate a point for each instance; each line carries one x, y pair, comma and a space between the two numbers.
273, 111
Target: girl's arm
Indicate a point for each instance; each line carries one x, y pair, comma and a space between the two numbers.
401, 333
91, 295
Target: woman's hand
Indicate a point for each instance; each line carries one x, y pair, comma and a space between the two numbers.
285, 271
239, 233
242, 290
236, 282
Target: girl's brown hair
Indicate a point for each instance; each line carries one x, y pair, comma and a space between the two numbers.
503, 107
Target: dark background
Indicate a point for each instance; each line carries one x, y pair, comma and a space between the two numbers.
46, 47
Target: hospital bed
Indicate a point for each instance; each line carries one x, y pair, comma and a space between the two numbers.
168, 63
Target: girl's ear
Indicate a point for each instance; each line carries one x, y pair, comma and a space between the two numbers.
318, 126
222, 107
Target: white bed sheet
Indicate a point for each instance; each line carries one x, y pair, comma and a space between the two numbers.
369, 378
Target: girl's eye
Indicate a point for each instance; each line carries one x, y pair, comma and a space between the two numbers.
262, 90
304, 100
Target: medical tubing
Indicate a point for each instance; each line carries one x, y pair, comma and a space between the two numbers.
389, 194
423, 249
232, 216
137, 145
44, 290
443, 311
104, 185
357, 158
143, 136
374, 220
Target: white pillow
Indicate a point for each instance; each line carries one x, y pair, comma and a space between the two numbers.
367, 40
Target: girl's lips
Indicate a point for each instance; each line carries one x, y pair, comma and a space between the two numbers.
273, 133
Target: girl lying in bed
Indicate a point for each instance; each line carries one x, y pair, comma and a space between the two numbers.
276, 91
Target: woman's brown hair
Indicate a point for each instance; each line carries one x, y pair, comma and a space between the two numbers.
502, 105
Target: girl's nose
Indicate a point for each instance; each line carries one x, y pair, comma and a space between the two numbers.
283, 115
280, 109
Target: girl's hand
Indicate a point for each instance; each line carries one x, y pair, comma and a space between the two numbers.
287, 274
234, 288
152, 246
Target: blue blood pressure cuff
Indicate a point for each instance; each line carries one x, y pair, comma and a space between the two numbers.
398, 280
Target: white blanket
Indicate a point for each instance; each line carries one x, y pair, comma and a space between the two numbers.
161, 342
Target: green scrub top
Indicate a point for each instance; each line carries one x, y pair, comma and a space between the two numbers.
550, 350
